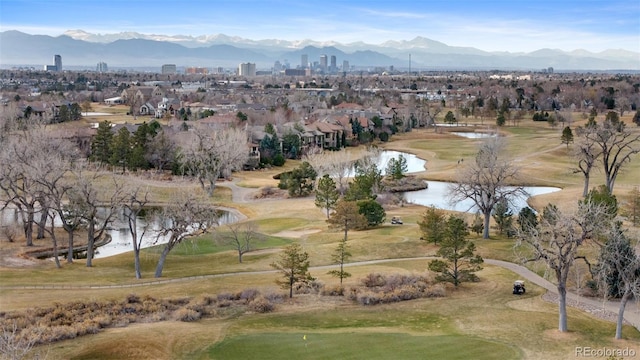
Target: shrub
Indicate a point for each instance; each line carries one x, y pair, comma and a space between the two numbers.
228, 297
373, 280
57, 333
394, 288
335, 290
275, 298
312, 287
261, 305
103, 321
187, 315
249, 294
133, 299
437, 290
368, 298
178, 301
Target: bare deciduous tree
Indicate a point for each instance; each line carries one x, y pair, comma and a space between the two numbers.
134, 205
31, 163
336, 164
96, 206
215, 154
184, 218
14, 346
555, 242
616, 145
586, 152
242, 236
486, 180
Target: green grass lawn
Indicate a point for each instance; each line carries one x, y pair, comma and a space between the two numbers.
352, 345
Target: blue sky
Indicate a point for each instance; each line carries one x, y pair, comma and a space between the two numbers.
493, 25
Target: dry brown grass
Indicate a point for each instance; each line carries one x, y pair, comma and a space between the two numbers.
544, 162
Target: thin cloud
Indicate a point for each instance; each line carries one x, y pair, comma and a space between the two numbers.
391, 14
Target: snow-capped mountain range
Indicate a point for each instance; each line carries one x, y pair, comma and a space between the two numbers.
132, 49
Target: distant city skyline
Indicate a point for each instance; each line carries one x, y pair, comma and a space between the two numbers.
494, 25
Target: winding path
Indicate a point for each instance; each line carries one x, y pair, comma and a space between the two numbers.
631, 314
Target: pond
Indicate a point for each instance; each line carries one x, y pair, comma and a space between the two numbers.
475, 135
121, 238
437, 195
119, 231
437, 192
414, 163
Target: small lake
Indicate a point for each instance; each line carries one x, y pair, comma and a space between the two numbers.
475, 135
437, 195
119, 232
414, 163
121, 238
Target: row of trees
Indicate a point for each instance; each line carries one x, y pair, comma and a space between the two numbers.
147, 147
48, 184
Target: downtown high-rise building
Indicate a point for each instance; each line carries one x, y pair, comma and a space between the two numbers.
102, 67
57, 61
57, 64
247, 69
304, 61
323, 62
169, 69
334, 66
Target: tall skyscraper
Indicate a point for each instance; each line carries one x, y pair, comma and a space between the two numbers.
57, 61
323, 62
304, 61
334, 66
169, 69
102, 67
247, 69
345, 65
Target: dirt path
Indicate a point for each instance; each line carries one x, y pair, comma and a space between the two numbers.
239, 194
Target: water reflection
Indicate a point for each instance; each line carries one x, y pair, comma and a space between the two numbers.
119, 231
121, 237
437, 195
414, 163
475, 135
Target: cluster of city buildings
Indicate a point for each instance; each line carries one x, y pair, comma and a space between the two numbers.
324, 66
57, 64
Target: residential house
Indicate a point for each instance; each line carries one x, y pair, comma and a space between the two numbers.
147, 109
332, 133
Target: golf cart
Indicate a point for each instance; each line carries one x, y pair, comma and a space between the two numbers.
518, 287
396, 220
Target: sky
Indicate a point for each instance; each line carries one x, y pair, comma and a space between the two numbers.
491, 25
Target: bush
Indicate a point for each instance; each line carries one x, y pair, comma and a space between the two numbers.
249, 294
373, 280
133, 299
335, 290
394, 288
261, 305
278, 160
228, 297
437, 290
368, 298
275, 298
312, 287
187, 315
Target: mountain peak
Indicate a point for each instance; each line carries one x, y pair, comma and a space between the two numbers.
224, 50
